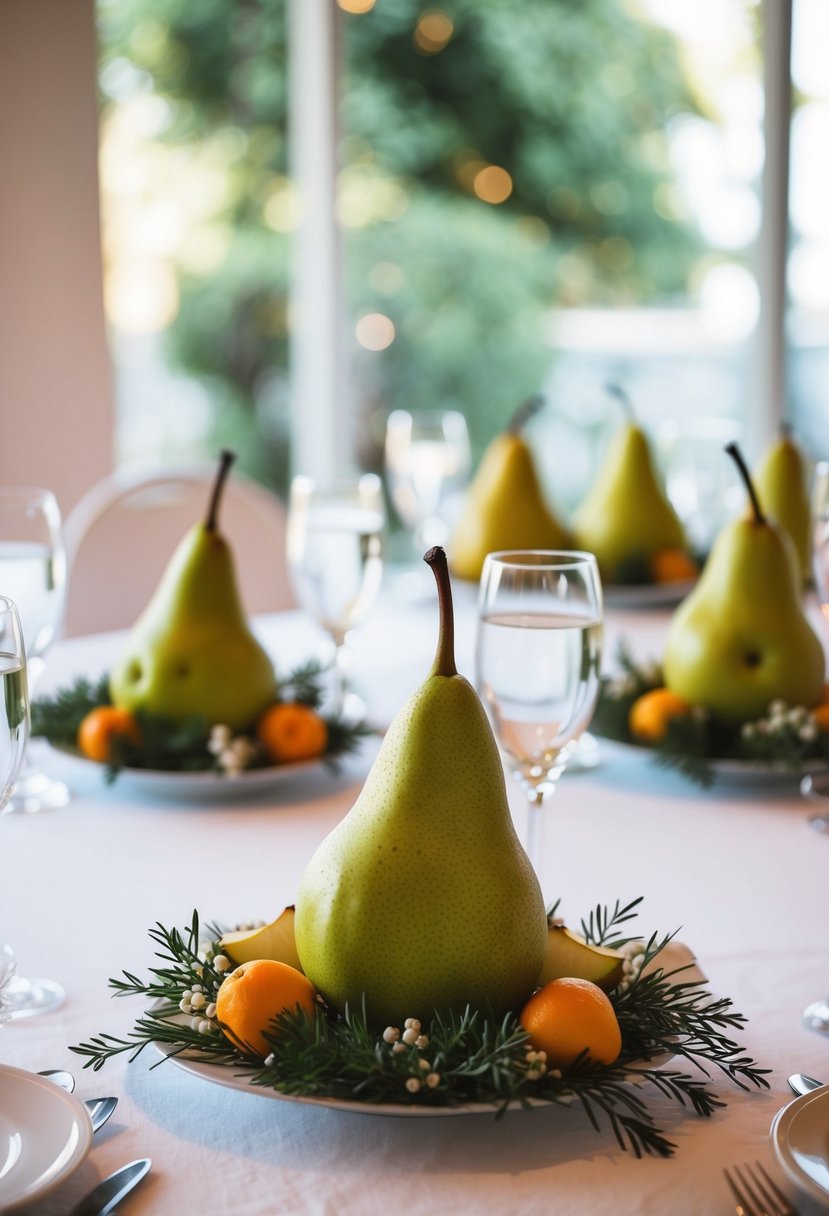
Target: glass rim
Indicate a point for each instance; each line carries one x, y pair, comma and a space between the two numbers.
336, 483
7, 604
560, 559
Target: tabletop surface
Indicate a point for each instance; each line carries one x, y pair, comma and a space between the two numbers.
737, 870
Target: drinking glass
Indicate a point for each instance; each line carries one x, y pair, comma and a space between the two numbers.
33, 574
537, 664
27, 997
427, 462
335, 559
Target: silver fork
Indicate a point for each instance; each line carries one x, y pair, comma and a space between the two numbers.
755, 1193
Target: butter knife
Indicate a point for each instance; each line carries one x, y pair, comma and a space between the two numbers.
108, 1194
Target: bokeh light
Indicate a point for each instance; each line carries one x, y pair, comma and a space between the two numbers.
492, 184
432, 32
375, 331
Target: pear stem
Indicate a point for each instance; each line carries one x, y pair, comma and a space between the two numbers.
226, 459
521, 416
618, 393
737, 456
444, 664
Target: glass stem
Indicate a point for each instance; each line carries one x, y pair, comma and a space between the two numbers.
340, 681
535, 828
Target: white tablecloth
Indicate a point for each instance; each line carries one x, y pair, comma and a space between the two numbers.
738, 870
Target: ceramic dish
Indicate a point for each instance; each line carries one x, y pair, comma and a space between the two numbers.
732, 772
189, 787
646, 595
800, 1137
45, 1133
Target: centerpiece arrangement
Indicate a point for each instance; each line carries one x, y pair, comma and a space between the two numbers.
193, 689
742, 674
420, 967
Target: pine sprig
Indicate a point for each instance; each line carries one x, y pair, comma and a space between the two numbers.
476, 1058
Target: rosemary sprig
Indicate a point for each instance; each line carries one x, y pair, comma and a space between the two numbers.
475, 1057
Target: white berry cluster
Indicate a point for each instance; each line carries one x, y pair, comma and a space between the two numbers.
536, 1065
234, 753
411, 1036
781, 720
632, 963
195, 1002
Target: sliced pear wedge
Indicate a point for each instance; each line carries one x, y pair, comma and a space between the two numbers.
566, 955
274, 941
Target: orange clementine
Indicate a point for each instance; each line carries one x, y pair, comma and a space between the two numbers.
567, 1016
290, 732
650, 714
821, 716
254, 994
103, 725
672, 565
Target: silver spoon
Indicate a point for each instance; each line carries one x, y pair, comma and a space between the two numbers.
59, 1076
99, 1110
108, 1194
799, 1083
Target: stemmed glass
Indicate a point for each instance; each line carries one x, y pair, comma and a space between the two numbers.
33, 573
335, 559
27, 997
537, 664
427, 460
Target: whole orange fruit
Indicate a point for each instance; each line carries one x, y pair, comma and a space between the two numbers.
673, 565
568, 1015
251, 997
101, 726
650, 714
290, 732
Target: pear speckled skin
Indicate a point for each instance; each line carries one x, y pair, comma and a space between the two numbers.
422, 898
191, 652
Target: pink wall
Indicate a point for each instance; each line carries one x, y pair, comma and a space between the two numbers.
56, 398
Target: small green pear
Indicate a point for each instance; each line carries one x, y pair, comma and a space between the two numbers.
782, 485
422, 898
275, 941
741, 638
626, 519
505, 506
568, 956
191, 652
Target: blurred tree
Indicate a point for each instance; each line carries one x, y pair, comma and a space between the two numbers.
501, 157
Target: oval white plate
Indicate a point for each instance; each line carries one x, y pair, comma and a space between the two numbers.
800, 1137
733, 772
189, 787
45, 1133
646, 595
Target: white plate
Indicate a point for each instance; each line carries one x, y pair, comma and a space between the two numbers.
189, 787
646, 595
800, 1137
731, 772
45, 1133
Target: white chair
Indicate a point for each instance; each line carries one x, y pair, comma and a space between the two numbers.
122, 533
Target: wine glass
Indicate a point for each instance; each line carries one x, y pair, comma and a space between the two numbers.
537, 664
33, 574
26, 997
427, 461
335, 559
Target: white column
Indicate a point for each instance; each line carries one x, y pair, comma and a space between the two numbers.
319, 372
770, 406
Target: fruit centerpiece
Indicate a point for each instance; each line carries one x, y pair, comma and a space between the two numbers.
193, 688
742, 674
420, 969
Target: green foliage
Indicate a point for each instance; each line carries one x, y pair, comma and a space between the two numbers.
572, 100
475, 1058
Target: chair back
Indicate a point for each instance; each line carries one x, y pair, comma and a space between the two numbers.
122, 533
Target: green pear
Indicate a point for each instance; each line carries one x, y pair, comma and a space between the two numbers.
422, 898
569, 956
741, 638
782, 485
505, 506
191, 652
275, 941
626, 518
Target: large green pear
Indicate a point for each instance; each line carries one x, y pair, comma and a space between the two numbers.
422, 898
626, 517
741, 638
191, 652
782, 485
505, 506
